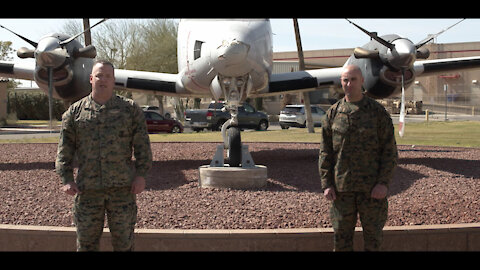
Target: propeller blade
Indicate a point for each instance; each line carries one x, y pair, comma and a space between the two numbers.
374, 36
88, 52
423, 53
79, 34
33, 43
401, 120
360, 52
25, 53
430, 37
50, 93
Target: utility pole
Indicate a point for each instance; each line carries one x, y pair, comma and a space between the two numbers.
88, 36
301, 63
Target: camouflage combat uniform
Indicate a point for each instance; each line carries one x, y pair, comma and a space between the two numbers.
100, 139
357, 152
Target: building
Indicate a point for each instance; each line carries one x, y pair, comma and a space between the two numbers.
463, 87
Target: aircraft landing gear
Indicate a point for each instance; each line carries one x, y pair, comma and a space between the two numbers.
234, 89
237, 153
241, 171
234, 142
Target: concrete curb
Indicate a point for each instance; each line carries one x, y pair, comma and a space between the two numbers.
449, 237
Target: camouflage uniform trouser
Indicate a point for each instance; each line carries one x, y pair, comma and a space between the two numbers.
89, 213
373, 215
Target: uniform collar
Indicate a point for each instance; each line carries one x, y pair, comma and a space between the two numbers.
354, 106
95, 106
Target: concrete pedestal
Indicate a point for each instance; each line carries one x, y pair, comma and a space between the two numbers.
232, 177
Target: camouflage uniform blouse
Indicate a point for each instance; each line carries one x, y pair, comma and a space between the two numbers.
358, 149
100, 138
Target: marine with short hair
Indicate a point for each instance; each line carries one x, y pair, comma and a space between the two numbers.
357, 158
99, 133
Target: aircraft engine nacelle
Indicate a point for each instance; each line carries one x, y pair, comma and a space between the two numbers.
62, 65
380, 80
382, 76
71, 81
71, 69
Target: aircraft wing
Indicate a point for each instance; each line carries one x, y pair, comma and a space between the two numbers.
151, 82
23, 71
301, 81
330, 77
437, 66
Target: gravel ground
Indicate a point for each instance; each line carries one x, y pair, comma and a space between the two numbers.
432, 185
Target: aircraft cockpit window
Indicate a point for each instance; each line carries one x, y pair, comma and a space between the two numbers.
197, 49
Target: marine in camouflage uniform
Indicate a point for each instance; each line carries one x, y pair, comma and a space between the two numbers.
100, 139
358, 152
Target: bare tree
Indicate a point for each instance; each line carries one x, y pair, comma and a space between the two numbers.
156, 51
156, 47
116, 40
71, 28
147, 44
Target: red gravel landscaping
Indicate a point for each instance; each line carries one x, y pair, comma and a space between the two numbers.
431, 185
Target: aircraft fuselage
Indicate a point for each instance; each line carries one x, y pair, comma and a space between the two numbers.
212, 49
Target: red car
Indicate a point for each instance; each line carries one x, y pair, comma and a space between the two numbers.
157, 123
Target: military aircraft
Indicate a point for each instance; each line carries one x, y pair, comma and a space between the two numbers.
230, 59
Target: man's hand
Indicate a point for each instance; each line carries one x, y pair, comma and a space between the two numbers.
379, 191
138, 185
71, 188
329, 194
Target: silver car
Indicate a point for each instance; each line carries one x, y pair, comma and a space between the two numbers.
294, 116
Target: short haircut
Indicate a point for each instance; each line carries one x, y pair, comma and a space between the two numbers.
104, 62
353, 68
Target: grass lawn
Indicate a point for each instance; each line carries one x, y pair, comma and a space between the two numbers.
461, 133
458, 133
289, 135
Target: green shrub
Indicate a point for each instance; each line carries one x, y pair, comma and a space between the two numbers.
33, 106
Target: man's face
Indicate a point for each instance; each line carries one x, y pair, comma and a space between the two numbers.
352, 82
102, 78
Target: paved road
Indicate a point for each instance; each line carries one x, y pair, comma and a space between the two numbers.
26, 132
10, 133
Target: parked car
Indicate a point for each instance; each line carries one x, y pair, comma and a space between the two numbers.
155, 109
213, 117
294, 116
157, 123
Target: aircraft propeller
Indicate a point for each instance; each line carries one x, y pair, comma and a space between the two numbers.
400, 56
402, 53
51, 52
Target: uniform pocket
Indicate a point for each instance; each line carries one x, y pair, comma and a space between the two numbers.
86, 135
120, 124
119, 137
340, 129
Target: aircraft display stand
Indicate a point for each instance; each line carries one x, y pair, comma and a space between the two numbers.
220, 175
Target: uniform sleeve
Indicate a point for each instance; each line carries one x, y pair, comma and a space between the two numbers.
326, 155
388, 149
141, 143
66, 148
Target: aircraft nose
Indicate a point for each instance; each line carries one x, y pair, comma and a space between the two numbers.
233, 51
231, 58
404, 54
49, 53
